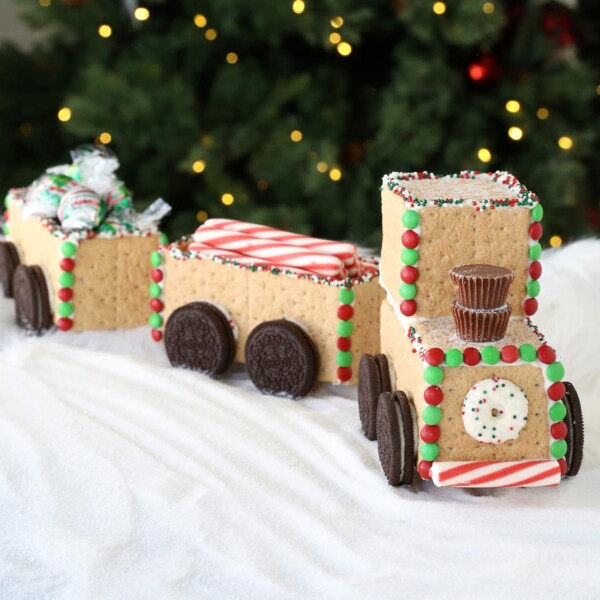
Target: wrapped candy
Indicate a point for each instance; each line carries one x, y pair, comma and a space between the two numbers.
44, 195
94, 168
81, 208
118, 197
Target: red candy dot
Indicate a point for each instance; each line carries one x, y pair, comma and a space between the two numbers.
344, 344
65, 294
345, 312
410, 239
409, 274
156, 275
408, 308
509, 354
430, 433
64, 324
433, 395
557, 391
471, 356
156, 305
157, 335
67, 264
546, 354
530, 306
434, 356
559, 430
424, 468
535, 270
5, 215
562, 463
344, 373
535, 231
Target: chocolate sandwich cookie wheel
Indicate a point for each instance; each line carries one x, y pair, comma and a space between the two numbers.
574, 423
389, 438
384, 372
407, 440
32, 307
198, 337
44, 298
369, 389
281, 359
9, 261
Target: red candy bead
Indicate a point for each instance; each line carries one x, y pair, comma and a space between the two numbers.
344, 373
535, 269
530, 306
430, 433
408, 307
345, 312
5, 215
157, 335
471, 356
535, 231
546, 354
156, 305
424, 468
559, 430
65, 294
509, 354
562, 463
67, 264
433, 395
64, 324
156, 275
434, 356
410, 239
409, 274
344, 344
557, 391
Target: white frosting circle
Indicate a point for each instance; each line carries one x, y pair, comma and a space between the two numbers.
494, 410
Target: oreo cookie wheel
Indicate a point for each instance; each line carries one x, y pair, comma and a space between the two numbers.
198, 336
32, 301
373, 380
574, 422
281, 359
9, 261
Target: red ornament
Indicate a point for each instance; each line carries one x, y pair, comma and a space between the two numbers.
535, 270
156, 275
530, 306
344, 344
486, 69
64, 323
559, 430
65, 294
67, 264
471, 356
156, 305
557, 391
433, 395
535, 231
509, 354
344, 373
434, 356
409, 274
430, 433
424, 468
557, 22
546, 354
408, 308
410, 239
562, 463
345, 312
157, 335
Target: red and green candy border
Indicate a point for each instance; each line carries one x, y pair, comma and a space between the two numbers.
157, 277
66, 280
345, 329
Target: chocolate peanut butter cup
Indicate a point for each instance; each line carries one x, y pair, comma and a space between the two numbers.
480, 325
481, 286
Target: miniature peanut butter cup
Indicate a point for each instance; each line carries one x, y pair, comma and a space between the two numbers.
481, 286
480, 324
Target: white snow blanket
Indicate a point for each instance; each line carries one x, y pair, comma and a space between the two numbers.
123, 478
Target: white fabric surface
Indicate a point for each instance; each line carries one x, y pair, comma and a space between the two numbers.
122, 478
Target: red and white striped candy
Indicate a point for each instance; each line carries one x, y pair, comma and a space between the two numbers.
488, 474
271, 251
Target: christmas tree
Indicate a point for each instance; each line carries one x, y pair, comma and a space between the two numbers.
288, 113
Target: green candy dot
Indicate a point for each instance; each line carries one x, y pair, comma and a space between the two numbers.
345, 328
555, 371
535, 251
69, 249
155, 320
558, 411
433, 375
5, 229
155, 290
163, 239
527, 352
429, 451
454, 357
432, 415
410, 256
408, 291
533, 288
346, 296
344, 359
156, 259
6, 201
65, 309
537, 212
490, 355
411, 219
66, 279
558, 448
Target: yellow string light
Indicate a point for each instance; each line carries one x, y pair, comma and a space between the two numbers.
141, 13
335, 174
201, 215
337, 22
556, 241
484, 155
488, 8
64, 114
231, 58
105, 138
298, 6
105, 31
199, 166
296, 135
515, 133
344, 48
542, 113
322, 167
200, 21
513, 106
45, 3
565, 142
211, 34
335, 37
227, 199
262, 184
439, 8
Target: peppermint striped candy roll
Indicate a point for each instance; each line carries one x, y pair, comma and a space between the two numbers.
80, 208
271, 251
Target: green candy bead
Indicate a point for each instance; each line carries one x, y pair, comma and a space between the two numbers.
527, 352
345, 328
558, 448
346, 296
432, 415
6, 201
5, 229
537, 212
156, 259
155, 290
408, 291
411, 219
558, 411
429, 451
410, 256
454, 357
344, 359
69, 249
433, 375
535, 251
533, 288
66, 279
163, 240
155, 320
490, 355
555, 371
65, 309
